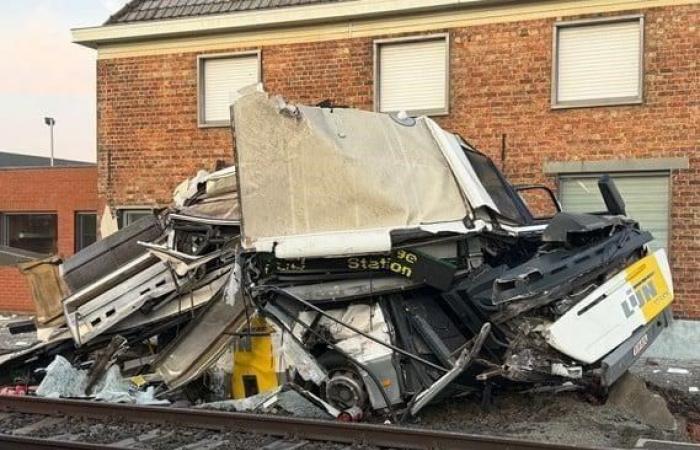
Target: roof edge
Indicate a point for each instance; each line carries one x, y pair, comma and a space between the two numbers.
69, 166
93, 37
128, 6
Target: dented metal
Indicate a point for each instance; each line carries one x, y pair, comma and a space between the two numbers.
393, 261
526, 282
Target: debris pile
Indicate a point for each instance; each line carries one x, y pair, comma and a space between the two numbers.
351, 263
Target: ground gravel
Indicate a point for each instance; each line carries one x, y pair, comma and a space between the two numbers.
566, 418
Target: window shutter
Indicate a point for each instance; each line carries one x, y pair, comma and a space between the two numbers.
597, 62
413, 76
222, 78
646, 198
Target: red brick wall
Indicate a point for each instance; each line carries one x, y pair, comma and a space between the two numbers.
15, 295
148, 139
59, 190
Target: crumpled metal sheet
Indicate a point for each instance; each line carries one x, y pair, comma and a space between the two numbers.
564, 226
103, 257
188, 189
326, 171
103, 312
184, 303
217, 199
203, 342
222, 182
220, 207
300, 360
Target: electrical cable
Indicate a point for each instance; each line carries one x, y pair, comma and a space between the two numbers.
352, 328
344, 354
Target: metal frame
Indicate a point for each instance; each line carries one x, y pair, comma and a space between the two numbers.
632, 173
122, 209
533, 187
378, 43
90, 319
201, 59
612, 101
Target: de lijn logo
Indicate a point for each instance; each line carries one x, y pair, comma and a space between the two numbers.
643, 293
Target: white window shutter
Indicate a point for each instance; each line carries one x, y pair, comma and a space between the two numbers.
647, 198
413, 76
599, 62
222, 78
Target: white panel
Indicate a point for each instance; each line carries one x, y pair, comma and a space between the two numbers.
222, 78
604, 319
646, 198
413, 76
599, 61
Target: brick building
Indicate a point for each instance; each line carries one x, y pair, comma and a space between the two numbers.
556, 92
43, 210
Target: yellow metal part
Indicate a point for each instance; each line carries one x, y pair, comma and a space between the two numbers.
649, 288
254, 367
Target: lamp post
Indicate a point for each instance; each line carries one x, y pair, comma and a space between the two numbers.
50, 121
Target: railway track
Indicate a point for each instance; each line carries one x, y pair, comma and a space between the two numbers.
29, 423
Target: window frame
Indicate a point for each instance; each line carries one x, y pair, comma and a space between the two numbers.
77, 229
378, 43
588, 103
201, 62
4, 229
121, 211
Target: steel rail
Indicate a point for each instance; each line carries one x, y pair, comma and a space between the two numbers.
313, 430
28, 443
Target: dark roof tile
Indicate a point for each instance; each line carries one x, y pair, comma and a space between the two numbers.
145, 10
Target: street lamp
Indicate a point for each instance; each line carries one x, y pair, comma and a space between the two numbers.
50, 121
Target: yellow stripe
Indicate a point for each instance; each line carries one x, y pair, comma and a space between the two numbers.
638, 273
380, 27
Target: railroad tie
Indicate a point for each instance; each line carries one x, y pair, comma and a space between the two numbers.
206, 444
31, 428
283, 444
146, 437
66, 437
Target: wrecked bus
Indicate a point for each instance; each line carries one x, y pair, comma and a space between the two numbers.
391, 260
405, 266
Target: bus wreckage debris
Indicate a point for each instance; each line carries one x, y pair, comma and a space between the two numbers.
352, 264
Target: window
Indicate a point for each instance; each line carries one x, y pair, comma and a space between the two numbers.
497, 187
85, 229
598, 62
33, 232
412, 75
220, 78
128, 216
646, 196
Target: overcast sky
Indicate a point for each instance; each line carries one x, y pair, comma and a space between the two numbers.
42, 74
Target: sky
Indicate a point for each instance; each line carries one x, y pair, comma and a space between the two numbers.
43, 74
